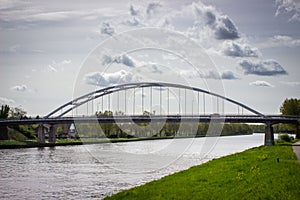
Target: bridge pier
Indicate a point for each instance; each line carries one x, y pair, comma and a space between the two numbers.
269, 134
52, 136
41, 134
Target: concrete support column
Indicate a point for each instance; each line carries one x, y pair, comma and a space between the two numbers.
41, 134
52, 137
297, 131
66, 128
269, 134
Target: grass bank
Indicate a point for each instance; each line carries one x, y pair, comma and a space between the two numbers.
259, 173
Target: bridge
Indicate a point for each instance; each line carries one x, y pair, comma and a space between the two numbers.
147, 102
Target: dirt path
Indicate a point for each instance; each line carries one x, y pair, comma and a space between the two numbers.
296, 148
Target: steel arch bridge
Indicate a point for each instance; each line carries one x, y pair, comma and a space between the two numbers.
84, 99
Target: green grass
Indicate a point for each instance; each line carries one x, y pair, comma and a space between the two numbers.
8, 144
253, 174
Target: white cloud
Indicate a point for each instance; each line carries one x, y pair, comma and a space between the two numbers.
292, 84
280, 41
235, 49
14, 49
6, 101
20, 88
262, 67
261, 84
106, 79
209, 74
56, 66
291, 7
52, 68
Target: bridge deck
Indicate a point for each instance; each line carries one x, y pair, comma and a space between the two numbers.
156, 118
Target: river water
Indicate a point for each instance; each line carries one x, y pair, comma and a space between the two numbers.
95, 171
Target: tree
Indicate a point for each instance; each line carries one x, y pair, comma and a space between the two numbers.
4, 112
290, 107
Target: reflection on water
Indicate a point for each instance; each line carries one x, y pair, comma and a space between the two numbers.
95, 171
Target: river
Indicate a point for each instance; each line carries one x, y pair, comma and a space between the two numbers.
95, 171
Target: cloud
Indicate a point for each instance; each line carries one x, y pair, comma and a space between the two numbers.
5, 101
152, 7
122, 59
14, 49
133, 11
52, 68
209, 74
292, 84
280, 41
20, 88
225, 29
228, 75
222, 26
261, 84
58, 65
154, 68
107, 29
291, 7
262, 68
106, 79
235, 49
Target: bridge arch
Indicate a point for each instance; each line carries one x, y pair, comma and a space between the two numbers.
79, 101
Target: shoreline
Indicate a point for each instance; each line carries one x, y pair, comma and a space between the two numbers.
13, 144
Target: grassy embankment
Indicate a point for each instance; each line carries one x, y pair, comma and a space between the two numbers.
259, 173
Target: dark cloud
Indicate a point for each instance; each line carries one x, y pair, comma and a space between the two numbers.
20, 88
210, 17
107, 29
152, 7
122, 59
133, 12
239, 50
225, 29
222, 26
262, 68
228, 75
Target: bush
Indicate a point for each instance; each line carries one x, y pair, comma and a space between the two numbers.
285, 138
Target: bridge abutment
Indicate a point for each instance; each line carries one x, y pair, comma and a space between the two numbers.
269, 134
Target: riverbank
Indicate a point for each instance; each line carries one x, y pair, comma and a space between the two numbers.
14, 144
258, 173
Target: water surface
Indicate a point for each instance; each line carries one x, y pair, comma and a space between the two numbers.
95, 171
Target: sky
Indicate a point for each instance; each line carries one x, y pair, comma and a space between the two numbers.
51, 52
